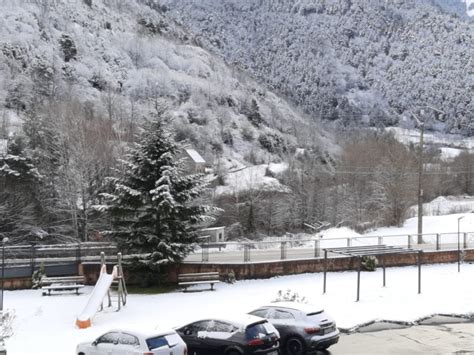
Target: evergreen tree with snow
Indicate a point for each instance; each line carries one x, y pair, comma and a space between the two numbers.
19, 204
154, 206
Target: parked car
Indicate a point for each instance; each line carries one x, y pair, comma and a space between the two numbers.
239, 336
122, 342
303, 328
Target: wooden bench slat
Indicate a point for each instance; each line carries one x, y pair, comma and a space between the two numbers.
199, 274
197, 282
198, 278
62, 287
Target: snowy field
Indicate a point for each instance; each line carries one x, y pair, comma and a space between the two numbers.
46, 324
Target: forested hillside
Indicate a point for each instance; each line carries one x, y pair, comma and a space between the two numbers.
78, 79
355, 62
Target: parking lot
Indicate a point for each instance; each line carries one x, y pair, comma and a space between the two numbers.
427, 339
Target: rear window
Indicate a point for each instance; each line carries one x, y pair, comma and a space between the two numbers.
157, 342
258, 330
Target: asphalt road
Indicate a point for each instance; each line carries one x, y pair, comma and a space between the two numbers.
426, 339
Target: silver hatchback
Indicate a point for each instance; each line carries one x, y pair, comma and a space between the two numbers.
303, 328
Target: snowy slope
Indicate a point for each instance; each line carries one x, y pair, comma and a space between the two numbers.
126, 60
253, 178
358, 63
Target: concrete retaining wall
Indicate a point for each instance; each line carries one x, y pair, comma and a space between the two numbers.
291, 267
264, 270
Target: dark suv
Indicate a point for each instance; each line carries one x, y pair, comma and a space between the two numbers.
303, 328
247, 335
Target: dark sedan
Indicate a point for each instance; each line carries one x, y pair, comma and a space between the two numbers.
245, 335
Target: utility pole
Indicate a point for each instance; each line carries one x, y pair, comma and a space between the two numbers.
420, 179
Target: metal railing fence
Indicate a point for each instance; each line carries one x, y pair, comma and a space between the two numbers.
284, 249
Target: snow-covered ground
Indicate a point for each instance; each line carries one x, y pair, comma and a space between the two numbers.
449, 144
253, 178
45, 325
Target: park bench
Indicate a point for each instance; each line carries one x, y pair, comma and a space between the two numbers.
63, 283
198, 278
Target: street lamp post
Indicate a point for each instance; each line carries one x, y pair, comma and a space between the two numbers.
4, 241
420, 178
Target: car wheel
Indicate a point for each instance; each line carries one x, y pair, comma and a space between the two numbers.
295, 346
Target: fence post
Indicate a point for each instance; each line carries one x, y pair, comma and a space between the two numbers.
348, 242
246, 253
359, 263
316, 248
325, 270
438, 246
420, 253
465, 240
33, 258
380, 240
283, 251
205, 252
409, 241
78, 254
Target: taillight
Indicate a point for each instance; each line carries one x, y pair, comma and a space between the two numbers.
147, 353
312, 330
255, 342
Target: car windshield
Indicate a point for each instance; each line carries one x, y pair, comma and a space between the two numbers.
258, 330
156, 342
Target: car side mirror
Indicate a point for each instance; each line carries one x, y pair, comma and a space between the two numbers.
94, 343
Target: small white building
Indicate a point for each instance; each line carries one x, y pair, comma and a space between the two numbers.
215, 234
195, 163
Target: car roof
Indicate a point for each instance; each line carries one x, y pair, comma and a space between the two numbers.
240, 320
144, 333
303, 307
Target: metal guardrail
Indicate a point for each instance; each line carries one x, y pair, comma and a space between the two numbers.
311, 247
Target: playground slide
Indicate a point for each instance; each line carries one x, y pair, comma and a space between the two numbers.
95, 299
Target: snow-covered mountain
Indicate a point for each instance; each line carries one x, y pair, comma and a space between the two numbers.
127, 60
358, 62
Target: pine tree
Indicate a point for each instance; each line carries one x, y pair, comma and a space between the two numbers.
153, 206
19, 180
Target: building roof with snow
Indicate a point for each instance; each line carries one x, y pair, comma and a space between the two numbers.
195, 156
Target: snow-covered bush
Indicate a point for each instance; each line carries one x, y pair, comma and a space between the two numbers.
7, 317
289, 296
38, 276
369, 263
